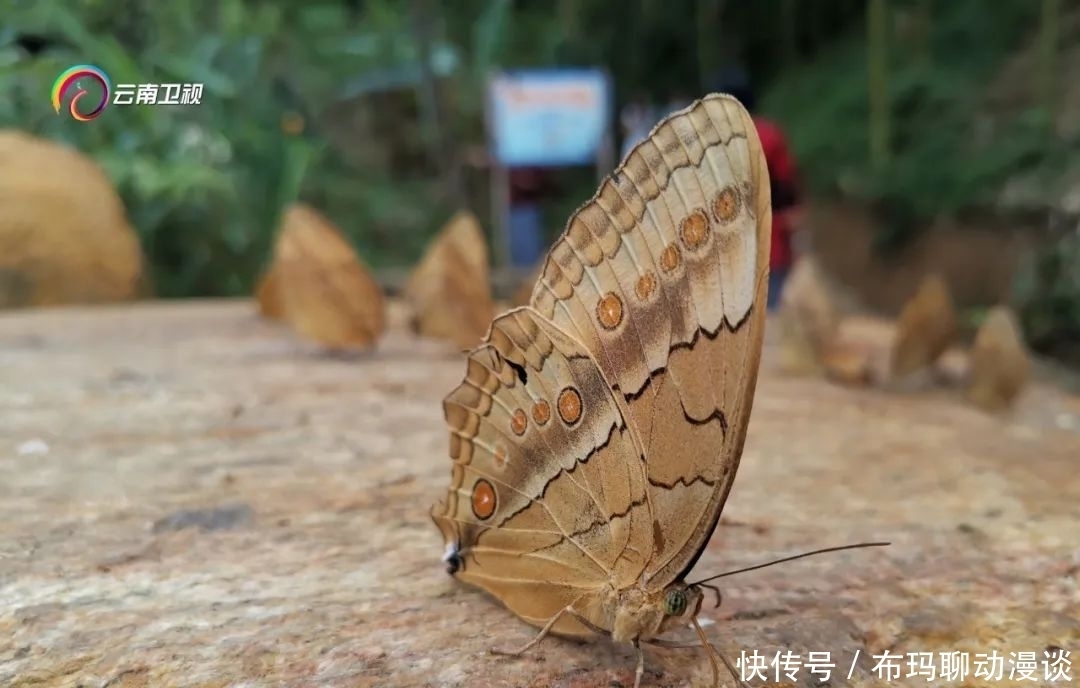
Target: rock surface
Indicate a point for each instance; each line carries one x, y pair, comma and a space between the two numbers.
191, 498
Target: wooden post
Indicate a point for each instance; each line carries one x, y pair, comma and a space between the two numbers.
606, 153
500, 185
500, 213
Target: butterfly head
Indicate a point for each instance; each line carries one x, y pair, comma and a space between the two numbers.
641, 613
681, 602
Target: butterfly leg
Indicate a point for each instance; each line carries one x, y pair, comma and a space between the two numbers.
640, 671
713, 654
547, 629
716, 590
710, 651
659, 642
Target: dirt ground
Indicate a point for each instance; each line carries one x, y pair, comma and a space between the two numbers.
191, 498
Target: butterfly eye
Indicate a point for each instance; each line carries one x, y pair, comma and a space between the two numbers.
675, 604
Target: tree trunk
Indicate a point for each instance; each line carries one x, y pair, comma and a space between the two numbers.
878, 81
1049, 37
709, 37
924, 15
435, 125
789, 17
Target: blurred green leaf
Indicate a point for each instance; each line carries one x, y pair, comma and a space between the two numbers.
315, 101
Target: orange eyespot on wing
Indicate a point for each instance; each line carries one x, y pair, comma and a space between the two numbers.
483, 499
570, 405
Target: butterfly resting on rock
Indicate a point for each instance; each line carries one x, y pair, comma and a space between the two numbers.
598, 429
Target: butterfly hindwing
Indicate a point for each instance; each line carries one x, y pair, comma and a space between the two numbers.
548, 490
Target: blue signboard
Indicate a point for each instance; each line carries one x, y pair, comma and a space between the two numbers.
548, 117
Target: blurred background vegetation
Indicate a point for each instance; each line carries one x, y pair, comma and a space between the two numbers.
372, 111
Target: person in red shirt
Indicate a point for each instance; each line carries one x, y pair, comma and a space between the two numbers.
782, 177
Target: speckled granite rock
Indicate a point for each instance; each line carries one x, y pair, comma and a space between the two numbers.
191, 498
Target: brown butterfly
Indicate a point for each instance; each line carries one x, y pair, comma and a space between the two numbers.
598, 429
325, 290
449, 291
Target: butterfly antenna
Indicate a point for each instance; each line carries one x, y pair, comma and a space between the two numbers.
859, 545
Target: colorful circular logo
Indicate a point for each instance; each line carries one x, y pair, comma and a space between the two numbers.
69, 80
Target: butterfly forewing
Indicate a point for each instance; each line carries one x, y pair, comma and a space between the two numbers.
683, 226
602, 424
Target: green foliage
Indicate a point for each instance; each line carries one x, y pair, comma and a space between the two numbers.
951, 147
206, 185
324, 102
1048, 294
947, 152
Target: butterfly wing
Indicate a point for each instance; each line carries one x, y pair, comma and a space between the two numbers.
449, 291
327, 292
547, 494
597, 431
663, 278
